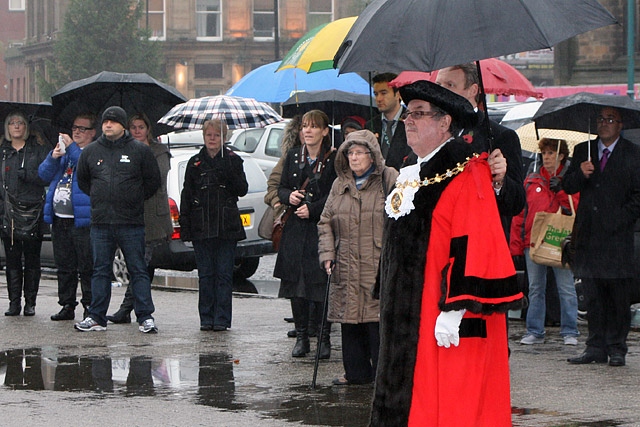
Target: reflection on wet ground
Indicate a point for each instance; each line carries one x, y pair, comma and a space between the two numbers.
207, 379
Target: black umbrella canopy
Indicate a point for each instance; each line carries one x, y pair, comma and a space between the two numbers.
335, 103
427, 35
135, 92
39, 116
579, 111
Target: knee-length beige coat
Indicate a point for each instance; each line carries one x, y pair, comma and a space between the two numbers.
350, 233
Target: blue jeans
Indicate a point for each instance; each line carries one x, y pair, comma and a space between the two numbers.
104, 241
215, 259
537, 275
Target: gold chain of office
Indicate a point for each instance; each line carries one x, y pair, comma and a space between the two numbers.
397, 196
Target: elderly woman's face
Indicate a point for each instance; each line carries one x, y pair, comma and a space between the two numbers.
17, 127
360, 159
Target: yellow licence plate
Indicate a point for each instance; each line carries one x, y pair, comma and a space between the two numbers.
246, 220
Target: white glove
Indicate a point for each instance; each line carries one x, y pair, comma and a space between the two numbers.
447, 327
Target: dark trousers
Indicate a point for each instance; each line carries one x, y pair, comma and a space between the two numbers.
72, 254
608, 302
360, 347
214, 258
19, 279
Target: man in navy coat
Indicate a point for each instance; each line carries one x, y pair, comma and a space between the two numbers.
605, 172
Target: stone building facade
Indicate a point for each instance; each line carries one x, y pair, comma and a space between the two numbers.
208, 45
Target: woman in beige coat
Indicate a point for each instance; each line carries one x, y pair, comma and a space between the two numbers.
350, 231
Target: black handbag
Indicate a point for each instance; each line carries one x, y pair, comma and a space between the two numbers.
21, 220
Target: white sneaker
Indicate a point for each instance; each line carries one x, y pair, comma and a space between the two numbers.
531, 339
570, 340
148, 327
88, 325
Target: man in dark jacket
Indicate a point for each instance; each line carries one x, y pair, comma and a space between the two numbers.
119, 174
387, 126
605, 172
505, 153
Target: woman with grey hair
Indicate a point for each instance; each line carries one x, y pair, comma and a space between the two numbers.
352, 223
213, 182
22, 153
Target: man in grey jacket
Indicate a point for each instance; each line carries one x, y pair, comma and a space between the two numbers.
119, 174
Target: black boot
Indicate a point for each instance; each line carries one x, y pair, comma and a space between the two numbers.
325, 341
31, 286
300, 308
14, 287
123, 315
68, 312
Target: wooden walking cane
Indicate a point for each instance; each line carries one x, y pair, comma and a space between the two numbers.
324, 319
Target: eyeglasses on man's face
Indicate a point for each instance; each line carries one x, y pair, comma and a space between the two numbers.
417, 115
356, 153
16, 123
80, 129
607, 120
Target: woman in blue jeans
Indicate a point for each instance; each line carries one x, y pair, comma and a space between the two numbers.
544, 192
213, 182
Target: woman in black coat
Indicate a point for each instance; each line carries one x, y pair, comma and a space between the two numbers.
213, 182
307, 176
22, 154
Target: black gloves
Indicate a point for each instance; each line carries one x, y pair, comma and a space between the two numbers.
555, 184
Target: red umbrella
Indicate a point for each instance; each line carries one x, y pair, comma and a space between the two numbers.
498, 78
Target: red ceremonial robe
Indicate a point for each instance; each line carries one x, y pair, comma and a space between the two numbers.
466, 385
465, 264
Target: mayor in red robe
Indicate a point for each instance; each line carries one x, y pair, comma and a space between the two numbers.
446, 279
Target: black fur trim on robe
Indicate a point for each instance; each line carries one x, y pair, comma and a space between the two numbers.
402, 265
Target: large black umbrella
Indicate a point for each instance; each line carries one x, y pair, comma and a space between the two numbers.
579, 111
427, 35
39, 116
335, 103
135, 92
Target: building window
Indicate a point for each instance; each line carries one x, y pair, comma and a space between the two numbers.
263, 19
16, 5
155, 19
320, 12
208, 71
209, 19
201, 91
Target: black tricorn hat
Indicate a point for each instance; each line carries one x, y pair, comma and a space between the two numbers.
455, 105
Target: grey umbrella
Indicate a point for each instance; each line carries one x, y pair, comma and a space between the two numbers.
579, 111
135, 92
427, 35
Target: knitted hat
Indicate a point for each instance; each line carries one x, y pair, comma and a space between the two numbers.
455, 105
355, 122
115, 114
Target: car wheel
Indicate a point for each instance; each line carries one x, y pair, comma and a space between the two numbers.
120, 271
245, 267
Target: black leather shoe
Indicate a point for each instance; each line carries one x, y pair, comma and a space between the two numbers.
586, 358
616, 360
120, 317
206, 327
67, 313
29, 310
291, 333
218, 328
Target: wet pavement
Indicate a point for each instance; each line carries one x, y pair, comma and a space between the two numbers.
52, 375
